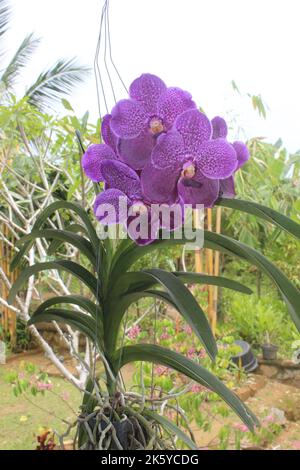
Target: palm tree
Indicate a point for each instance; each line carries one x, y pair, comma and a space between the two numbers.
51, 84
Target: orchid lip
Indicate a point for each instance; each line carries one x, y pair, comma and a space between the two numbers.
156, 125
188, 170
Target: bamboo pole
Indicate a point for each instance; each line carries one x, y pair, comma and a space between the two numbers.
198, 251
217, 266
9, 320
210, 271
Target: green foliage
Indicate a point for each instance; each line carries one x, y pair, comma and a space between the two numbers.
254, 318
51, 84
115, 289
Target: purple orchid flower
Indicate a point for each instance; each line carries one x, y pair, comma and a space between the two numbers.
150, 111
91, 160
188, 162
220, 129
124, 193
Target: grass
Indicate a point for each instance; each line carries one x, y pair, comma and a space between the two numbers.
20, 420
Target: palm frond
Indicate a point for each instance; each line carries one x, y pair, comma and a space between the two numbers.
5, 11
4, 16
19, 60
55, 82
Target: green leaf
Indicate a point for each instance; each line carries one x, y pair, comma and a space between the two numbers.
115, 312
84, 246
188, 307
58, 80
160, 355
78, 271
67, 105
83, 302
83, 323
42, 218
289, 292
195, 278
5, 13
20, 60
74, 228
272, 216
167, 424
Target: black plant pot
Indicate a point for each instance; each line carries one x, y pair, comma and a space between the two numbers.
269, 352
245, 358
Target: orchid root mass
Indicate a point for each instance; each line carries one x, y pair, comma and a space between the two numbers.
159, 149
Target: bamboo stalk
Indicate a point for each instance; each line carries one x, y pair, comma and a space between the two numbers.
210, 262
217, 265
198, 251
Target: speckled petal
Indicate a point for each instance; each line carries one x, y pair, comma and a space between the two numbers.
195, 128
143, 229
169, 151
128, 119
199, 190
137, 152
220, 129
217, 159
119, 176
147, 89
159, 186
227, 188
172, 103
242, 153
91, 160
107, 134
110, 206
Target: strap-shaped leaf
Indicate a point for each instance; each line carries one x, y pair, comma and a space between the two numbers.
272, 216
160, 355
83, 302
167, 424
188, 307
78, 271
55, 244
84, 246
80, 322
42, 218
195, 278
117, 309
136, 286
290, 294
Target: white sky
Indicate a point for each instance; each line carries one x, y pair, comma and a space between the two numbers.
198, 45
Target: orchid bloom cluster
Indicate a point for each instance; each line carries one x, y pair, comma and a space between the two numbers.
159, 149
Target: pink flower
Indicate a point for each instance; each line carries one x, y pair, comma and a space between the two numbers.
268, 420
187, 329
197, 388
240, 427
44, 386
296, 445
134, 332
164, 335
202, 354
160, 370
191, 353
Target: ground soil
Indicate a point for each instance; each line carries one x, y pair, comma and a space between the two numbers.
269, 394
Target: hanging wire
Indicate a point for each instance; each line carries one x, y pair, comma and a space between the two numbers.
105, 86
104, 63
110, 51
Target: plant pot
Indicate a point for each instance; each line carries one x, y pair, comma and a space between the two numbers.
245, 358
269, 352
